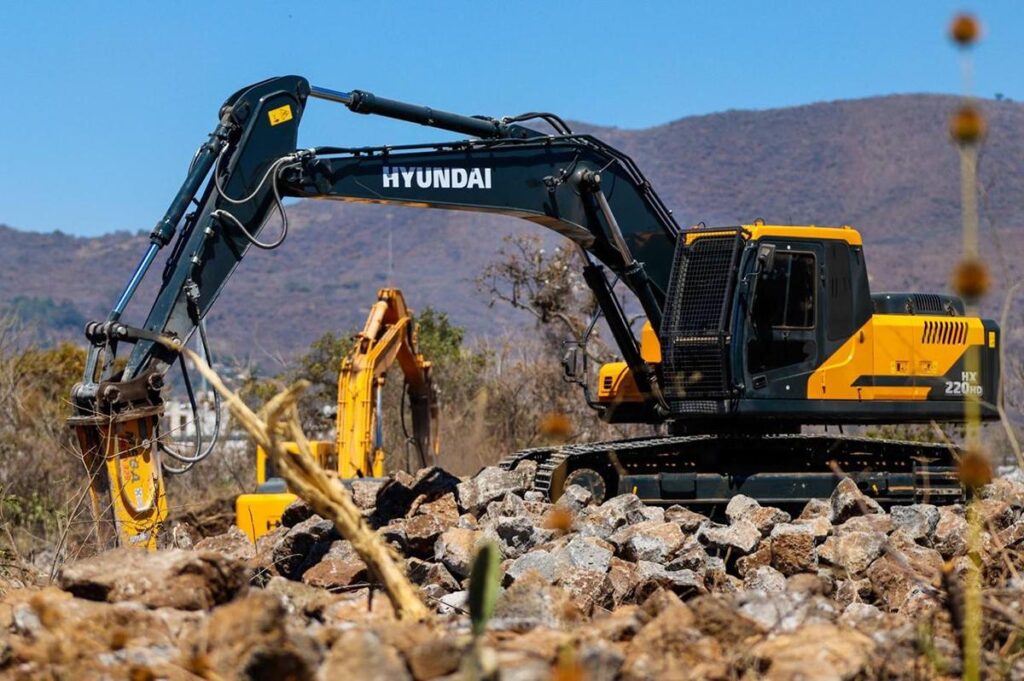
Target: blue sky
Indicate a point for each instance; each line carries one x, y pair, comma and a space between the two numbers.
104, 104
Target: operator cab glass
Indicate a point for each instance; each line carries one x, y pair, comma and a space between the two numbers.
782, 325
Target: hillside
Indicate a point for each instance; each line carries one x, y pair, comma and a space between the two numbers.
884, 165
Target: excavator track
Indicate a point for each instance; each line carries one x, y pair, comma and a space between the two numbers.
707, 470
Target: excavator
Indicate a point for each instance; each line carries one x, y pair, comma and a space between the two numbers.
389, 335
752, 334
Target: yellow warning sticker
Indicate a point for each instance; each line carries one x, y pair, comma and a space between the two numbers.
280, 115
991, 339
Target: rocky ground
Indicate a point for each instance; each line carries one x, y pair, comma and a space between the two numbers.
619, 590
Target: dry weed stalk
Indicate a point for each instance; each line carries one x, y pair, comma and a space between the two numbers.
278, 421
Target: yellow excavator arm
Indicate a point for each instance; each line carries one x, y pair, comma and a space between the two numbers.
389, 335
358, 452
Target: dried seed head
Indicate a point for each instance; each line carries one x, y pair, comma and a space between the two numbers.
48, 614
971, 279
965, 30
141, 673
975, 469
119, 638
559, 519
567, 666
555, 427
967, 125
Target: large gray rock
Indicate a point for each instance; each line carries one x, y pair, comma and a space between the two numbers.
648, 540
740, 506
514, 535
295, 512
427, 573
783, 611
575, 498
455, 548
360, 654
687, 520
918, 520
589, 589
653, 576
486, 486
303, 546
619, 511
540, 561
421, 533
739, 538
234, 544
816, 508
852, 551
765, 578
587, 553
531, 602
404, 494
950, 535
848, 501
364, 492
690, 556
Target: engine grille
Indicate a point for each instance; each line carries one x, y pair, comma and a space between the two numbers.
695, 328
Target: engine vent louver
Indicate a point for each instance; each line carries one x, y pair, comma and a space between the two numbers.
944, 333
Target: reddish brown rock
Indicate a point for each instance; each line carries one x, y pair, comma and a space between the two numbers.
421, 533
670, 646
817, 652
253, 638
848, 501
792, 549
171, 578
340, 567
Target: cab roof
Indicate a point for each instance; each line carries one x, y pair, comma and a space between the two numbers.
758, 231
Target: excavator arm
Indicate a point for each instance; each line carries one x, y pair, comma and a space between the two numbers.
387, 337
573, 184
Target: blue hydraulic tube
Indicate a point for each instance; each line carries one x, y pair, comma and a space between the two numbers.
133, 283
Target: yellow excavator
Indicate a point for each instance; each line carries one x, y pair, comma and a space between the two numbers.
358, 452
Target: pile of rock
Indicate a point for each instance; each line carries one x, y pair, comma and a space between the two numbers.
616, 590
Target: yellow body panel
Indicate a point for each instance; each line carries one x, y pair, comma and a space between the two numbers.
899, 346
650, 348
615, 384
257, 514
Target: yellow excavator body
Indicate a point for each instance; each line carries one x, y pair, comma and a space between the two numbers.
388, 336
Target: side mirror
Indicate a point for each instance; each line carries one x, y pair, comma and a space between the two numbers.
765, 258
574, 363
762, 265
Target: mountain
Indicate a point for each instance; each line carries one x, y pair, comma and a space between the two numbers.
884, 165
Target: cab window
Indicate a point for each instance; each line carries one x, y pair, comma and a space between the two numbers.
785, 293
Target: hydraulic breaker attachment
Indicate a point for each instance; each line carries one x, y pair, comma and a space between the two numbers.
126, 487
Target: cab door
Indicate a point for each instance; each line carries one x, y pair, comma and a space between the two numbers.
783, 328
